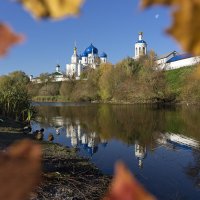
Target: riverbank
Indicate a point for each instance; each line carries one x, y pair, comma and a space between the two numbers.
144, 85
65, 175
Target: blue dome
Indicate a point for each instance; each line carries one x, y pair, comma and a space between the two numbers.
141, 41
91, 49
84, 54
103, 55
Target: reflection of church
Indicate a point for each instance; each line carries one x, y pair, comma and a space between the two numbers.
169, 140
140, 153
177, 141
88, 141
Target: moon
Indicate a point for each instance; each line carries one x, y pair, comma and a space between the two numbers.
157, 16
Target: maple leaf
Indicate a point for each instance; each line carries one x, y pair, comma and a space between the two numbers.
55, 9
20, 170
186, 25
8, 38
125, 187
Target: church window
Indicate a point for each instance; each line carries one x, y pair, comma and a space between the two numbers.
139, 50
143, 51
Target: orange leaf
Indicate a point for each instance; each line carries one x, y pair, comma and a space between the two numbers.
125, 187
20, 170
8, 38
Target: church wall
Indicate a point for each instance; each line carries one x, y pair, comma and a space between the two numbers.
182, 63
162, 62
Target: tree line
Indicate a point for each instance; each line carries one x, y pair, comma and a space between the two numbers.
129, 81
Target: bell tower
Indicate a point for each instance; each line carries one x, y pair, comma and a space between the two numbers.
140, 47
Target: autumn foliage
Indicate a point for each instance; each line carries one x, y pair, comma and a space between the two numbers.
55, 9
23, 160
125, 187
20, 170
8, 39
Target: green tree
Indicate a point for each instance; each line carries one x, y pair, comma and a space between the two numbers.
14, 99
106, 81
66, 89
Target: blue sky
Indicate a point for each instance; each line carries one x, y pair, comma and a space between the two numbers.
111, 25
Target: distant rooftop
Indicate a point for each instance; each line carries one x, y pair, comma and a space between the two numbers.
179, 57
166, 55
57, 73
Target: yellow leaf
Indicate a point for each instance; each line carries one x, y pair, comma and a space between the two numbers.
186, 23
55, 9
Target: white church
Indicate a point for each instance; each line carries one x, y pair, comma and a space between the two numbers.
168, 61
91, 59
88, 59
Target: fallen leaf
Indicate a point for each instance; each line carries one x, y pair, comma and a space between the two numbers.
8, 38
20, 170
55, 9
125, 187
186, 24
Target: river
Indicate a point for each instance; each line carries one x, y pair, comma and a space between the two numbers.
160, 145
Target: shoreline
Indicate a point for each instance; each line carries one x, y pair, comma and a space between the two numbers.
65, 175
177, 103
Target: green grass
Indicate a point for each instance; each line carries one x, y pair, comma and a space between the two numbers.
175, 78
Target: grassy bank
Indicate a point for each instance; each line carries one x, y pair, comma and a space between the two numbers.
176, 79
65, 175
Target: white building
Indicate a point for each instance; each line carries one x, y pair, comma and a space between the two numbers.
88, 59
140, 47
175, 61
168, 61
161, 60
57, 75
54, 77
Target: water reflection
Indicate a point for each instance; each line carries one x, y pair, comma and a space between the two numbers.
78, 137
140, 153
161, 146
